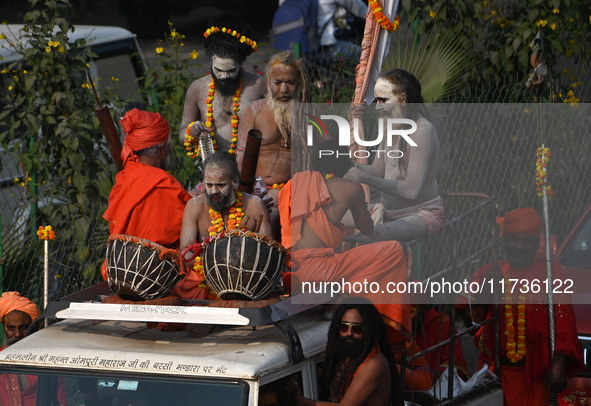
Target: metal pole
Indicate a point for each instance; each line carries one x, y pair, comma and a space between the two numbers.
45, 275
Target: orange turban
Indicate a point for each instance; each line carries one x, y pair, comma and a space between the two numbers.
143, 130
14, 301
521, 221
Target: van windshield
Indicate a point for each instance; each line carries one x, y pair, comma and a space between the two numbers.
77, 390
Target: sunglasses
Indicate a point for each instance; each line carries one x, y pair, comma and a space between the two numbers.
358, 329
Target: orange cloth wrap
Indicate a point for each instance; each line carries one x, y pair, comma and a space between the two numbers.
14, 301
143, 130
521, 221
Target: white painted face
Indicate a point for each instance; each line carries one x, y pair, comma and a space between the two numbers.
388, 102
225, 68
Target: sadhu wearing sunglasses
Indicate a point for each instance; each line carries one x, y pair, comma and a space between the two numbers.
359, 367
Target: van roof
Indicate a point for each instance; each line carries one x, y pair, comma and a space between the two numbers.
94, 35
233, 353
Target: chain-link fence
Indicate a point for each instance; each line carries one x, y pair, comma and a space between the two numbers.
485, 148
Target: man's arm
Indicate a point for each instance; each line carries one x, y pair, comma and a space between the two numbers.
256, 209
371, 378
418, 168
190, 228
247, 122
191, 110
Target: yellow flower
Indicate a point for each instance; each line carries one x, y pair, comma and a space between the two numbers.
493, 12
2, 36
432, 13
553, 26
555, 11
194, 54
24, 72
10, 87
48, 49
159, 50
62, 49
542, 23
3, 71
114, 79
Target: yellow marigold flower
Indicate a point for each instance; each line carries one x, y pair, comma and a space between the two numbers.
553, 26
159, 50
194, 54
432, 13
62, 49
4, 71
555, 11
10, 87
2, 36
48, 49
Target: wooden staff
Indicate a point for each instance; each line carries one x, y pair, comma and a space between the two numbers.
250, 161
108, 127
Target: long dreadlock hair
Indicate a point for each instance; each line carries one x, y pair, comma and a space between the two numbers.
333, 386
407, 83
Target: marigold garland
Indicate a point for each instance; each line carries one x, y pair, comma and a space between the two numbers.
278, 186
381, 17
46, 233
241, 38
543, 157
192, 143
329, 176
515, 351
234, 218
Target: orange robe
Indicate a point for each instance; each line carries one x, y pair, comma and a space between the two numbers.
302, 199
435, 330
147, 202
525, 386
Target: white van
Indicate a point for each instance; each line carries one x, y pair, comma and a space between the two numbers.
105, 354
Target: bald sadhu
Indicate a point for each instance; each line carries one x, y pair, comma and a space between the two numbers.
528, 370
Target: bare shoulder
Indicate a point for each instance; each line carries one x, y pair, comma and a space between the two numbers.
196, 204
376, 365
200, 83
251, 201
254, 86
258, 106
426, 129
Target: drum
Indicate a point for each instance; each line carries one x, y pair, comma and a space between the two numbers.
139, 269
243, 265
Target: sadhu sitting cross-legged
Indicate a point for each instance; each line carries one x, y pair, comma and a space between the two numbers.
221, 209
311, 207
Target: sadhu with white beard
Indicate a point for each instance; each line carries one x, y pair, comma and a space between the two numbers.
287, 83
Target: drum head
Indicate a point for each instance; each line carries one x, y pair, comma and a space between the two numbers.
135, 270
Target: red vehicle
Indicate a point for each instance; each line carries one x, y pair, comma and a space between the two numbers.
575, 255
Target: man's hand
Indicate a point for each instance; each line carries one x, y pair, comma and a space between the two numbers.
355, 174
197, 129
556, 379
356, 111
268, 202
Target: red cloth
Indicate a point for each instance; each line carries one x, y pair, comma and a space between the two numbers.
435, 330
11, 393
537, 360
10, 301
147, 202
144, 130
513, 382
521, 221
303, 198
